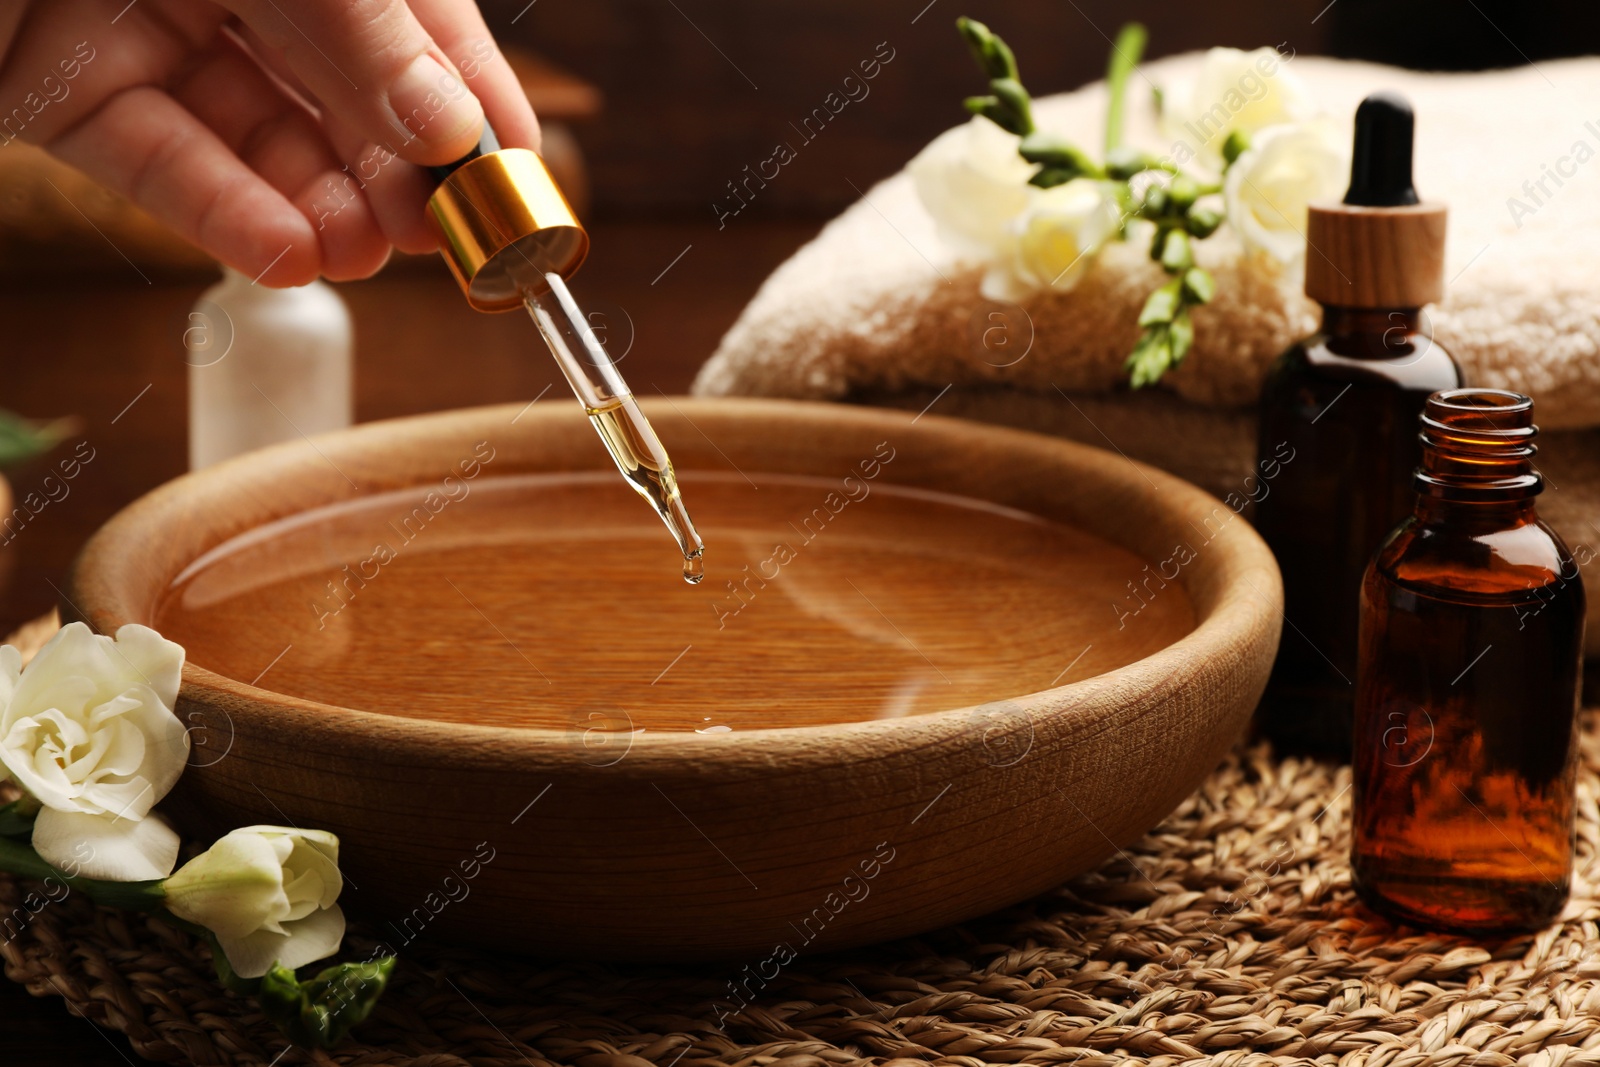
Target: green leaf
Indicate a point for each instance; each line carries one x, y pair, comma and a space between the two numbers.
1236, 145
1155, 203
1015, 99
1058, 154
1158, 242
997, 112
1061, 160
1176, 255
978, 105
1160, 306
1202, 222
320, 1012
22, 439
993, 55
1180, 337
1124, 162
1182, 192
1198, 286
1149, 359
1050, 177
1008, 120
1125, 54
1001, 63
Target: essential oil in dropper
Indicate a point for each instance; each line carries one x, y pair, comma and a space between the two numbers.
640, 457
613, 412
1339, 411
1472, 621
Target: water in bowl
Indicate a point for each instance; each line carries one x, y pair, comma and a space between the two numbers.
541, 600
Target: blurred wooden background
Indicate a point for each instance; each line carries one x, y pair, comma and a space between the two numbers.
691, 91
696, 89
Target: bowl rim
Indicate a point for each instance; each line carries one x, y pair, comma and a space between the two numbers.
1211, 636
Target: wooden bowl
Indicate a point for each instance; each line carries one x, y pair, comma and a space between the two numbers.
987, 660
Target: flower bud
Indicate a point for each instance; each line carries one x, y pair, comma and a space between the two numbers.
268, 894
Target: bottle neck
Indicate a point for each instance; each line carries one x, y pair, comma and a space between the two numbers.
1371, 333
1474, 516
1477, 455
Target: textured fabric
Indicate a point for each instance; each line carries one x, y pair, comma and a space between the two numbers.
878, 303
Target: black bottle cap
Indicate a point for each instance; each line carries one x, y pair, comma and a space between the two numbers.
486, 144
1380, 167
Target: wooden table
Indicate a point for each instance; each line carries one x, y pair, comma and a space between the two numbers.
109, 351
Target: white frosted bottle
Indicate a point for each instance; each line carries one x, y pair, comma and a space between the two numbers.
265, 365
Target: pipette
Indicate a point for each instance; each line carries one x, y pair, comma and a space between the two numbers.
511, 239
615, 415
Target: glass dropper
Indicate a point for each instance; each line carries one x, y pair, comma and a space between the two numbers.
613, 412
509, 236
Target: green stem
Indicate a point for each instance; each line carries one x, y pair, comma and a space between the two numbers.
21, 860
1125, 53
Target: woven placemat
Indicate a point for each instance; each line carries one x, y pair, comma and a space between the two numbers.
1229, 935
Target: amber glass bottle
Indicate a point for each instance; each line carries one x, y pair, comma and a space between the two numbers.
1468, 685
1338, 414
1339, 411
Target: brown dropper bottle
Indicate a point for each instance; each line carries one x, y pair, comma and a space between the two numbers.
1468, 684
1338, 415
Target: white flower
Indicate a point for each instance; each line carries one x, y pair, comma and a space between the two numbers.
88, 730
1235, 90
1053, 240
268, 893
973, 183
1269, 187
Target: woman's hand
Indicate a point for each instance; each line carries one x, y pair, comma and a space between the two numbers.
281, 136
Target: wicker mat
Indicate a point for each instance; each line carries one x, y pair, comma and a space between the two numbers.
1229, 935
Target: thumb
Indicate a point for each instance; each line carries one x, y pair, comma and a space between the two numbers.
370, 63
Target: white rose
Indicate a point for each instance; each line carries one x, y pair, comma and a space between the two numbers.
1269, 187
973, 183
1235, 90
88, 730
268, 893
1053, 240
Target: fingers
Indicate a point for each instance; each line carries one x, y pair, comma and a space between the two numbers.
178, 154
279, 138
396, 191
459, 29
146, 146
372, 63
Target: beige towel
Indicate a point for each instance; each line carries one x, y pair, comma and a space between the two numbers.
878, 302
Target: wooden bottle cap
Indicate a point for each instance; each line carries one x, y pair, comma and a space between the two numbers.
1375, 257
1383, 247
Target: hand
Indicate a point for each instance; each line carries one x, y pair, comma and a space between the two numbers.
281, 136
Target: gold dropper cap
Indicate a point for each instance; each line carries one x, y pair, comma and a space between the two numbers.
502, 224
